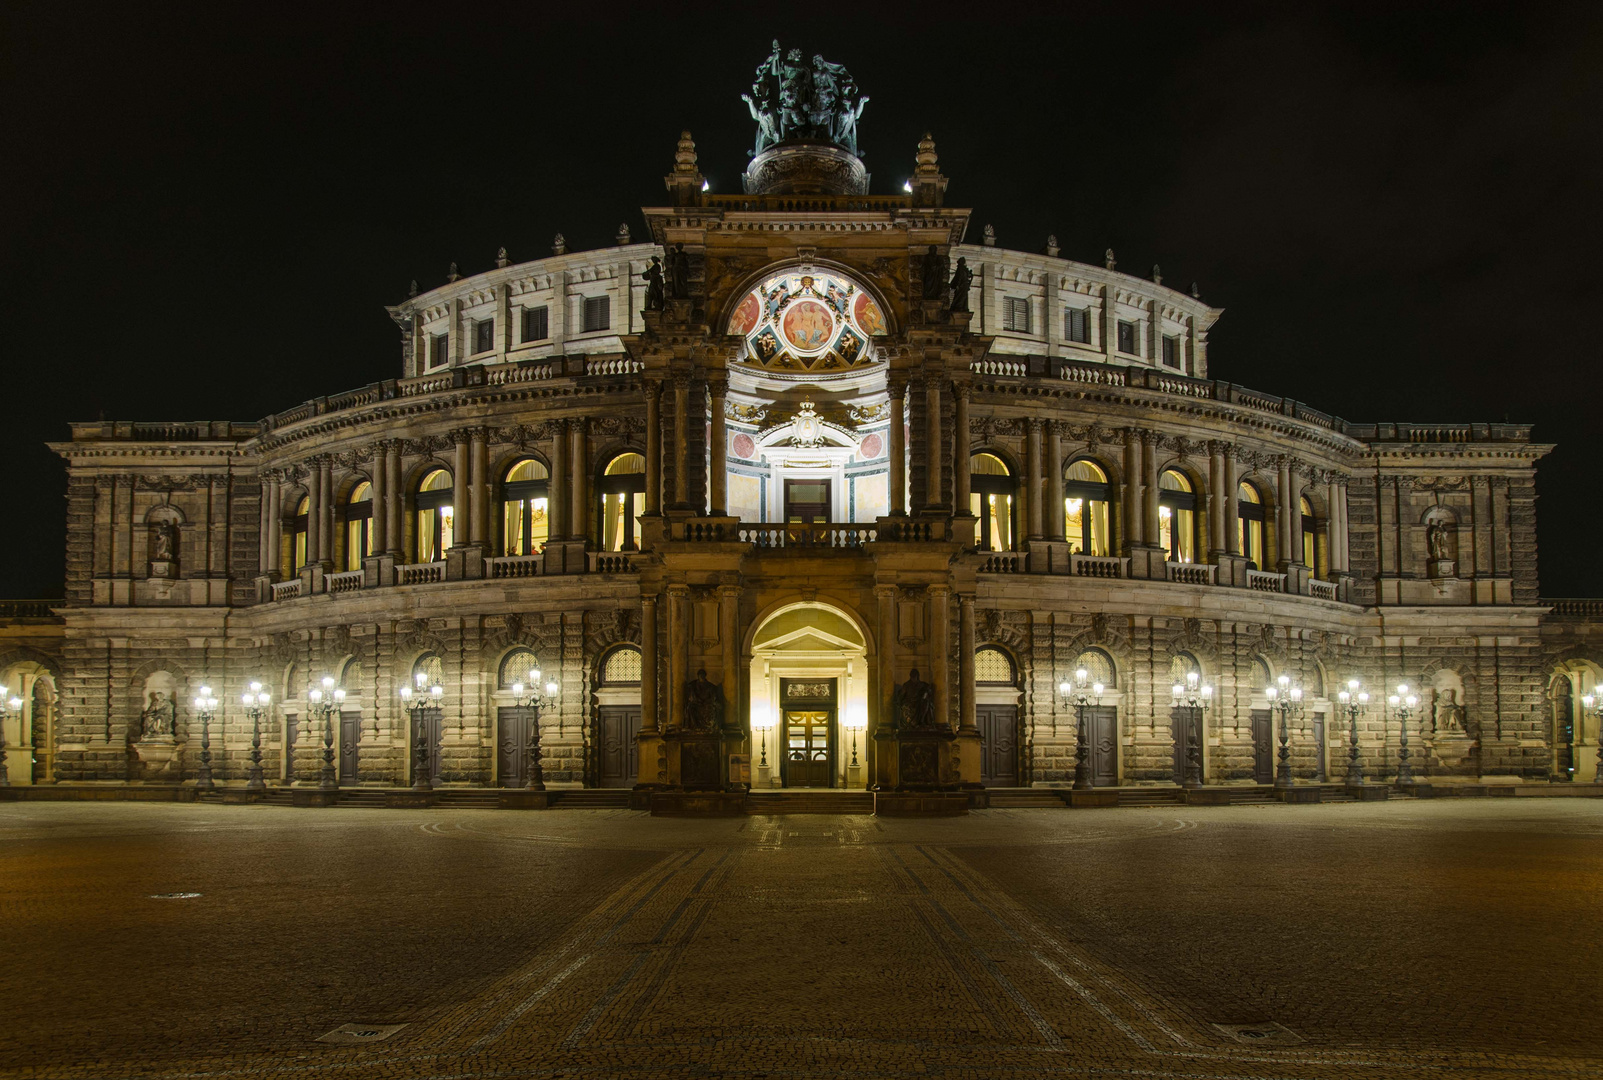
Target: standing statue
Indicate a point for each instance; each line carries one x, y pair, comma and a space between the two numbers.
704, 704
792, 99
913, 704
653, 276
678, 273
164, 542
157, 717
934, 274
962, 278
1436, 540
1449, 713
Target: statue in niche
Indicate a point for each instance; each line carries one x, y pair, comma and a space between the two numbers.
164, 542
962, 278
678, 273
934, 274
158, 716
913, 704
704, 704
654, 288
1449, 714
1436, 540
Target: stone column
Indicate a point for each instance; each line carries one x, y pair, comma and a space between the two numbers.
325, 519
718, 455
1284, 501
728, 620
939, 637
264, 527
556, 502
653, 448
961, 479
1337, 497
648, 665
1134, 519
879, 716
678, 653
1032, 470
397, 501
275, 527
965, 664
934, 493
681, 441
897, 450
480, 491
461, 484
1149, 481
380, 523
1216, 501
579, 470
1294, 515
314, 513
1055, 511
1232, 501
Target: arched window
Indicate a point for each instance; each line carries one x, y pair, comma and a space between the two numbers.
1087, 507
1249, 523
351, 682
1177, 517
1314, 686
1182, 665
622, 491
1098, 667
991, 500
358, 525
518, 666
1310, 534
435, 516
994, 667
525, 499
621, 666
297, 534
1260, 676
431, 668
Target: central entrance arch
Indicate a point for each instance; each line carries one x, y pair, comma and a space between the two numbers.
809, 698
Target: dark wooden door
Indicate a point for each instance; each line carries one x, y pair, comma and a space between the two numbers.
1102, 727
429, 729
619, 746
350, 743
999, 750
1564, 737
512, 746
292, 733
1263, 747
1319, 747
809, 748
1184, 723
806, 501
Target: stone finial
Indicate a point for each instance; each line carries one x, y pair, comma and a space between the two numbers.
1052, 248
926, 157
559, 245
990, 236
684, 158
501, 259
451, 274
623, 234
928, 186
412, 289
1109, 261
1157, 274
1196, 292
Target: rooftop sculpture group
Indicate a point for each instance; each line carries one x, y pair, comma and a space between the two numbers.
793, 100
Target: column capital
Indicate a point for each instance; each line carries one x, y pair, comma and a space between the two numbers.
718, 385
896, 387
885, 592
938, 590
681, 381
961, 391
679, 591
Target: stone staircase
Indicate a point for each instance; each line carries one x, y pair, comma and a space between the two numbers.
1156, 796
1026, 799
592, 799
810, 802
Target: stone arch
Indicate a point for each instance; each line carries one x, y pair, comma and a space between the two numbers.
726, 305
818, 600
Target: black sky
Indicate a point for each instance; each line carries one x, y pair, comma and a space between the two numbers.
204, 210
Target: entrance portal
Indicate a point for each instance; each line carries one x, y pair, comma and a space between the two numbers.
809, 681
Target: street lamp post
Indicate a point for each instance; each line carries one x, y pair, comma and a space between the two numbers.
417, 705
327, 701
1195, 696
1353, 701
10, 705
1591, 705
1285, 699
1082, 694
205, 708
534, 700
1402, 703
256, 701
855, 722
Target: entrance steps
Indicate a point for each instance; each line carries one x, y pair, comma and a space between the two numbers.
796, 801
592, 799
1156, 796
1025, 798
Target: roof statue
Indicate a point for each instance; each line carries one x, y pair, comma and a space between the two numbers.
793, 100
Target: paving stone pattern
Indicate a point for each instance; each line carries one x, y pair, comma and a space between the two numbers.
1362, 940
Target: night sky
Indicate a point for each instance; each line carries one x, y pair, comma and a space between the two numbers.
206, 210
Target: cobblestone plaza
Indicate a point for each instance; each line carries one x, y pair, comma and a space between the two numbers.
1398, 939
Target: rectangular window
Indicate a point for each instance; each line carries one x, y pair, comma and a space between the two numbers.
597, 313
483, 335
1127, 337
1077, 325
1016, 314
439, 350
1171, 351
536, 324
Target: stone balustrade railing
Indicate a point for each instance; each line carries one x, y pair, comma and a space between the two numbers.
809, 536
1003, 562
1324, 590
286, 590
1192, 573
1264, 581
612, 365
611, 562
1099, 566
420, 573
1577, 607
514, 566
344, 581
28, 609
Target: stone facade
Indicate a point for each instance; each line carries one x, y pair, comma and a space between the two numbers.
299, 546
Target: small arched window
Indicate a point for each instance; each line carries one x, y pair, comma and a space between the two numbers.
1177, 517
621, 667
621, 491
1260, 676
525, 502
1310, 534
993, 667
292, 684
297, 534
435, 516
351, 682
431, 668
990, 499
519, 666
1087, 509
1182, 665
1098, 667
358, 525
1249, 524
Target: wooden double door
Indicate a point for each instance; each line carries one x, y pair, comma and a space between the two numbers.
807, 718
1263, 746
1102, 731
617, 746
1187, 727
429, 728
999, 744
350, 745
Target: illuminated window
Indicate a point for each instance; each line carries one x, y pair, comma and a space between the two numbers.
525, 501
431, 668
358, 525
435, 516
622, 491
518, 667
1098, 667
1180, 666
1310, 534
990, 499
992, 665
1249, 523
1177, 505
297, 534
814, 321
622, 665
1087, 509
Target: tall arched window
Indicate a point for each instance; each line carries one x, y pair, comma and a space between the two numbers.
525, 499
1310, 535
297, 534
990, 499
1087, 503
622, 491
435, 516
358, 525
1249, 523
993, 666
1177, 517
1098, 667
